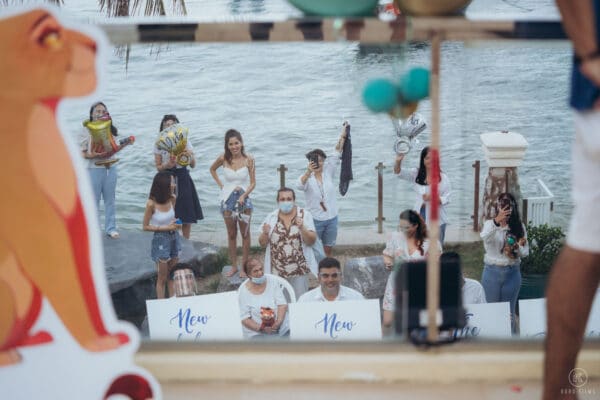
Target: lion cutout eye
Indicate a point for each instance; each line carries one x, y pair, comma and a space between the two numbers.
51, 39
48, 33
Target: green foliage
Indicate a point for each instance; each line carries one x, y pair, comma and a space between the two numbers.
213, 286
545, 242
471, 257
221, 260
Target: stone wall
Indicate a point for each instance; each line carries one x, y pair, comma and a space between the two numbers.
498, 180
131, 273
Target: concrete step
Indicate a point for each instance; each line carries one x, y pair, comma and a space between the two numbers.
346, 236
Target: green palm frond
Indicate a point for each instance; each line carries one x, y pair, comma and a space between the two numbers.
122, 8
18, 2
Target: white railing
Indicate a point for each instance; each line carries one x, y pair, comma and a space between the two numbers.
538, 210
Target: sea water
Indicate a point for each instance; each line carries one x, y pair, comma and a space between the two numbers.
288, 98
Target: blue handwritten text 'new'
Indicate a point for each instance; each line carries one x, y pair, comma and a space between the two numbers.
331, 325
467, 331
184, 319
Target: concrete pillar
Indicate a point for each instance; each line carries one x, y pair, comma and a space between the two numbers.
504, 152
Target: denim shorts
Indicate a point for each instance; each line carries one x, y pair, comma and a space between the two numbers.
327, 231
165, 246
232, 200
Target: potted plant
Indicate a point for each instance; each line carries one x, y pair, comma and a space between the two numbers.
545, 242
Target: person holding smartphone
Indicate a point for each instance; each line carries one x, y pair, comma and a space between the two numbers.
319, 189
505, 243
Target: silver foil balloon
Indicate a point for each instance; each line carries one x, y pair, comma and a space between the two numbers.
407, 131
173, 139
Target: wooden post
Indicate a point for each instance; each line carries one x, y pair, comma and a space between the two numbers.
524, 211
475, 216
380, 217
282, 168
433, 257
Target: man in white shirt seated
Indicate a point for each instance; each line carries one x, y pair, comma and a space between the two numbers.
330, 289
472, 292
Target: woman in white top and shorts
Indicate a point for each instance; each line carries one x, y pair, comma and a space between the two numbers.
159, 218
238, 182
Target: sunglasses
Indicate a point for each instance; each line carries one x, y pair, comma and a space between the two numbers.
335, 275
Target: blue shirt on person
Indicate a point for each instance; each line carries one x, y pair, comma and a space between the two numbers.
583, 92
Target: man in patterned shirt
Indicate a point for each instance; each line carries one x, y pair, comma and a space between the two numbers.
288, 234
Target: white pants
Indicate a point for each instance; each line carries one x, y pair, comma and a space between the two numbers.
584, 230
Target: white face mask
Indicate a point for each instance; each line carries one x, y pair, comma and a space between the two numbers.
286, 207
259, 281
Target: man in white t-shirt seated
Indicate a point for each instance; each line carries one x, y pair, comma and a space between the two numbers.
330, 289
472, 292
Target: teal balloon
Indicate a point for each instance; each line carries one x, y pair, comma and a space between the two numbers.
337, 8
414, 84
380, 95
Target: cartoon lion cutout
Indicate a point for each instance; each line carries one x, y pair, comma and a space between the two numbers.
46, 243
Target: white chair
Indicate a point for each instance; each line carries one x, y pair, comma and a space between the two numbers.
287, 288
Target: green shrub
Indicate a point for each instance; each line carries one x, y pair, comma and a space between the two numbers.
545, 242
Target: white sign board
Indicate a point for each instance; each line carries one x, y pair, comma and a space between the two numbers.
490, 320
335, 320
533, 318
195, 318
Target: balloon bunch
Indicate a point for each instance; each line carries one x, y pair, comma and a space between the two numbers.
400, 101
397, 99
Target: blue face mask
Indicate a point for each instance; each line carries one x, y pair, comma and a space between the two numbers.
286, 207
259, 281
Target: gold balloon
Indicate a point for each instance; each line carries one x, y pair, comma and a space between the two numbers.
409, 108
102, 140
174, 141
431, 8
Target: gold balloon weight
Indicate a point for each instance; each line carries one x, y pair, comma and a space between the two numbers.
174, 141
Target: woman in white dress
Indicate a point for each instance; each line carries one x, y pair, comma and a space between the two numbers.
238, 181
409, 243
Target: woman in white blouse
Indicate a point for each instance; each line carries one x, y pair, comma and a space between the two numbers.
263, 306
505, 243
421, 179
